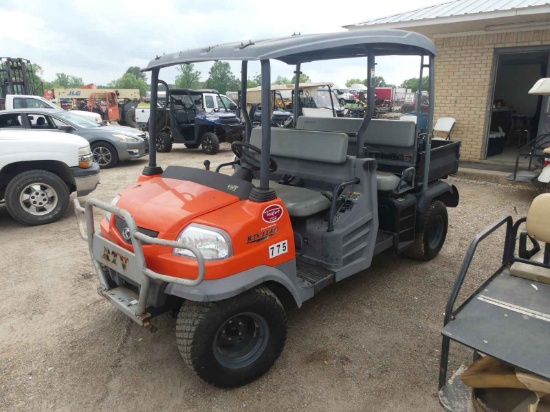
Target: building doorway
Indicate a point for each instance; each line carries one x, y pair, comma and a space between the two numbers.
515, 116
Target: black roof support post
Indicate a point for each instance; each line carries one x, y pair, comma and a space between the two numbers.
429, 126
264, 193
244, 86
370, 106
296, 100
152, 169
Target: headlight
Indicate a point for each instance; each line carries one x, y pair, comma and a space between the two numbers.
126, 138
213, 243
85, 157
113, 203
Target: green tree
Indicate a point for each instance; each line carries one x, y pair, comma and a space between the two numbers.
353, 81
378, 81
67, 81
257, 79
413, 83
137, 72
251, 83
221, 78
34, 75
304, 78
282, 80
189, 78
130, 81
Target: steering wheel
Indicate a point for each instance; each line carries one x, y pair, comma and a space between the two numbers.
243, 151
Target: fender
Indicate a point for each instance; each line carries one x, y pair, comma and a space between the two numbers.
445, 192
219, 289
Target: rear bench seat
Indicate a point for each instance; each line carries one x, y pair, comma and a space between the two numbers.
383, 136
317, 148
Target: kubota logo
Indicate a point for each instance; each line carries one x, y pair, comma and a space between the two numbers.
272, 213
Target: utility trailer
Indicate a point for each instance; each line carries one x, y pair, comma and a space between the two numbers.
506, 322
305, 207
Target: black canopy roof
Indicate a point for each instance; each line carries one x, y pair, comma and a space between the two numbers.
307, 48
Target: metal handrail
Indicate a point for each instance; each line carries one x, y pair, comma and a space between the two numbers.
507, 255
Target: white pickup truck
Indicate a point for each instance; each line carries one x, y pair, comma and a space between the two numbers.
16, 101
39, 171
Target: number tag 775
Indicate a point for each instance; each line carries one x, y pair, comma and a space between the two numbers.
278, 249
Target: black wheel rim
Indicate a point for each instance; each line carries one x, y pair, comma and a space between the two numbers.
436, 232
241, 340
207, 143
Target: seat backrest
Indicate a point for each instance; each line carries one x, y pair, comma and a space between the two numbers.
382, 132
391, 133
444, 124
409, 118
325, 147
329, 124
538, 218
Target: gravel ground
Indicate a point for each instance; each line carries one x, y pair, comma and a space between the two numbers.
369, 343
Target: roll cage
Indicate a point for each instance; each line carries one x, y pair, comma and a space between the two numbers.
296, 50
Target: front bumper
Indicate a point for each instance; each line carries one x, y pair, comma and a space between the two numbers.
232, 132
133, 150
86, 180
131, 264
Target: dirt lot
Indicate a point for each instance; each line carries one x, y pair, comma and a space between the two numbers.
370, 343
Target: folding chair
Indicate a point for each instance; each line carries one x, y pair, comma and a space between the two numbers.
444, 125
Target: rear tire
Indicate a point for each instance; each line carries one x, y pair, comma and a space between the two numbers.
431, 232
130, 118
235, 341
163, 142
210, 143
36, 197
105, 154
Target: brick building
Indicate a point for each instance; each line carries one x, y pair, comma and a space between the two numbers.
489, 55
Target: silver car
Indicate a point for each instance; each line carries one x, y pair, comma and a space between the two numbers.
110, 144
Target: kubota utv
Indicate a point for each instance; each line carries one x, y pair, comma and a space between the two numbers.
305, 207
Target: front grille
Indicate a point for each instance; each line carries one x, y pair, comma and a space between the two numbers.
121, 225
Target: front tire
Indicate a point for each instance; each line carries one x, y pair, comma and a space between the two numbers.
105, 155
431, 232
235, 341
37, 197
210, 143
163, 142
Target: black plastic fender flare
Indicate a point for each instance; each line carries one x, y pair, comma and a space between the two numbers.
445, 192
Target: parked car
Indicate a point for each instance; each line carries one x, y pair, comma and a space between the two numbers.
344, 95
110, 144
36, 102
39, 171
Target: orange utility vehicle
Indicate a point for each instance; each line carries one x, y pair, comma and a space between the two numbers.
225, 250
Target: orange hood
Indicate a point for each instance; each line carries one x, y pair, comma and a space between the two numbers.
167, 205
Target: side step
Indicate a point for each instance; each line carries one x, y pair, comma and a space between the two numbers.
314, 276
384, 241
126, 301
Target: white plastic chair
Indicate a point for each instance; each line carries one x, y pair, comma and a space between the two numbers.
444, 125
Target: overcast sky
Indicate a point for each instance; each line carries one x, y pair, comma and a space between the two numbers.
99, 39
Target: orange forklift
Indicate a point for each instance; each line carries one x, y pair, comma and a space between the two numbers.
305, 207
